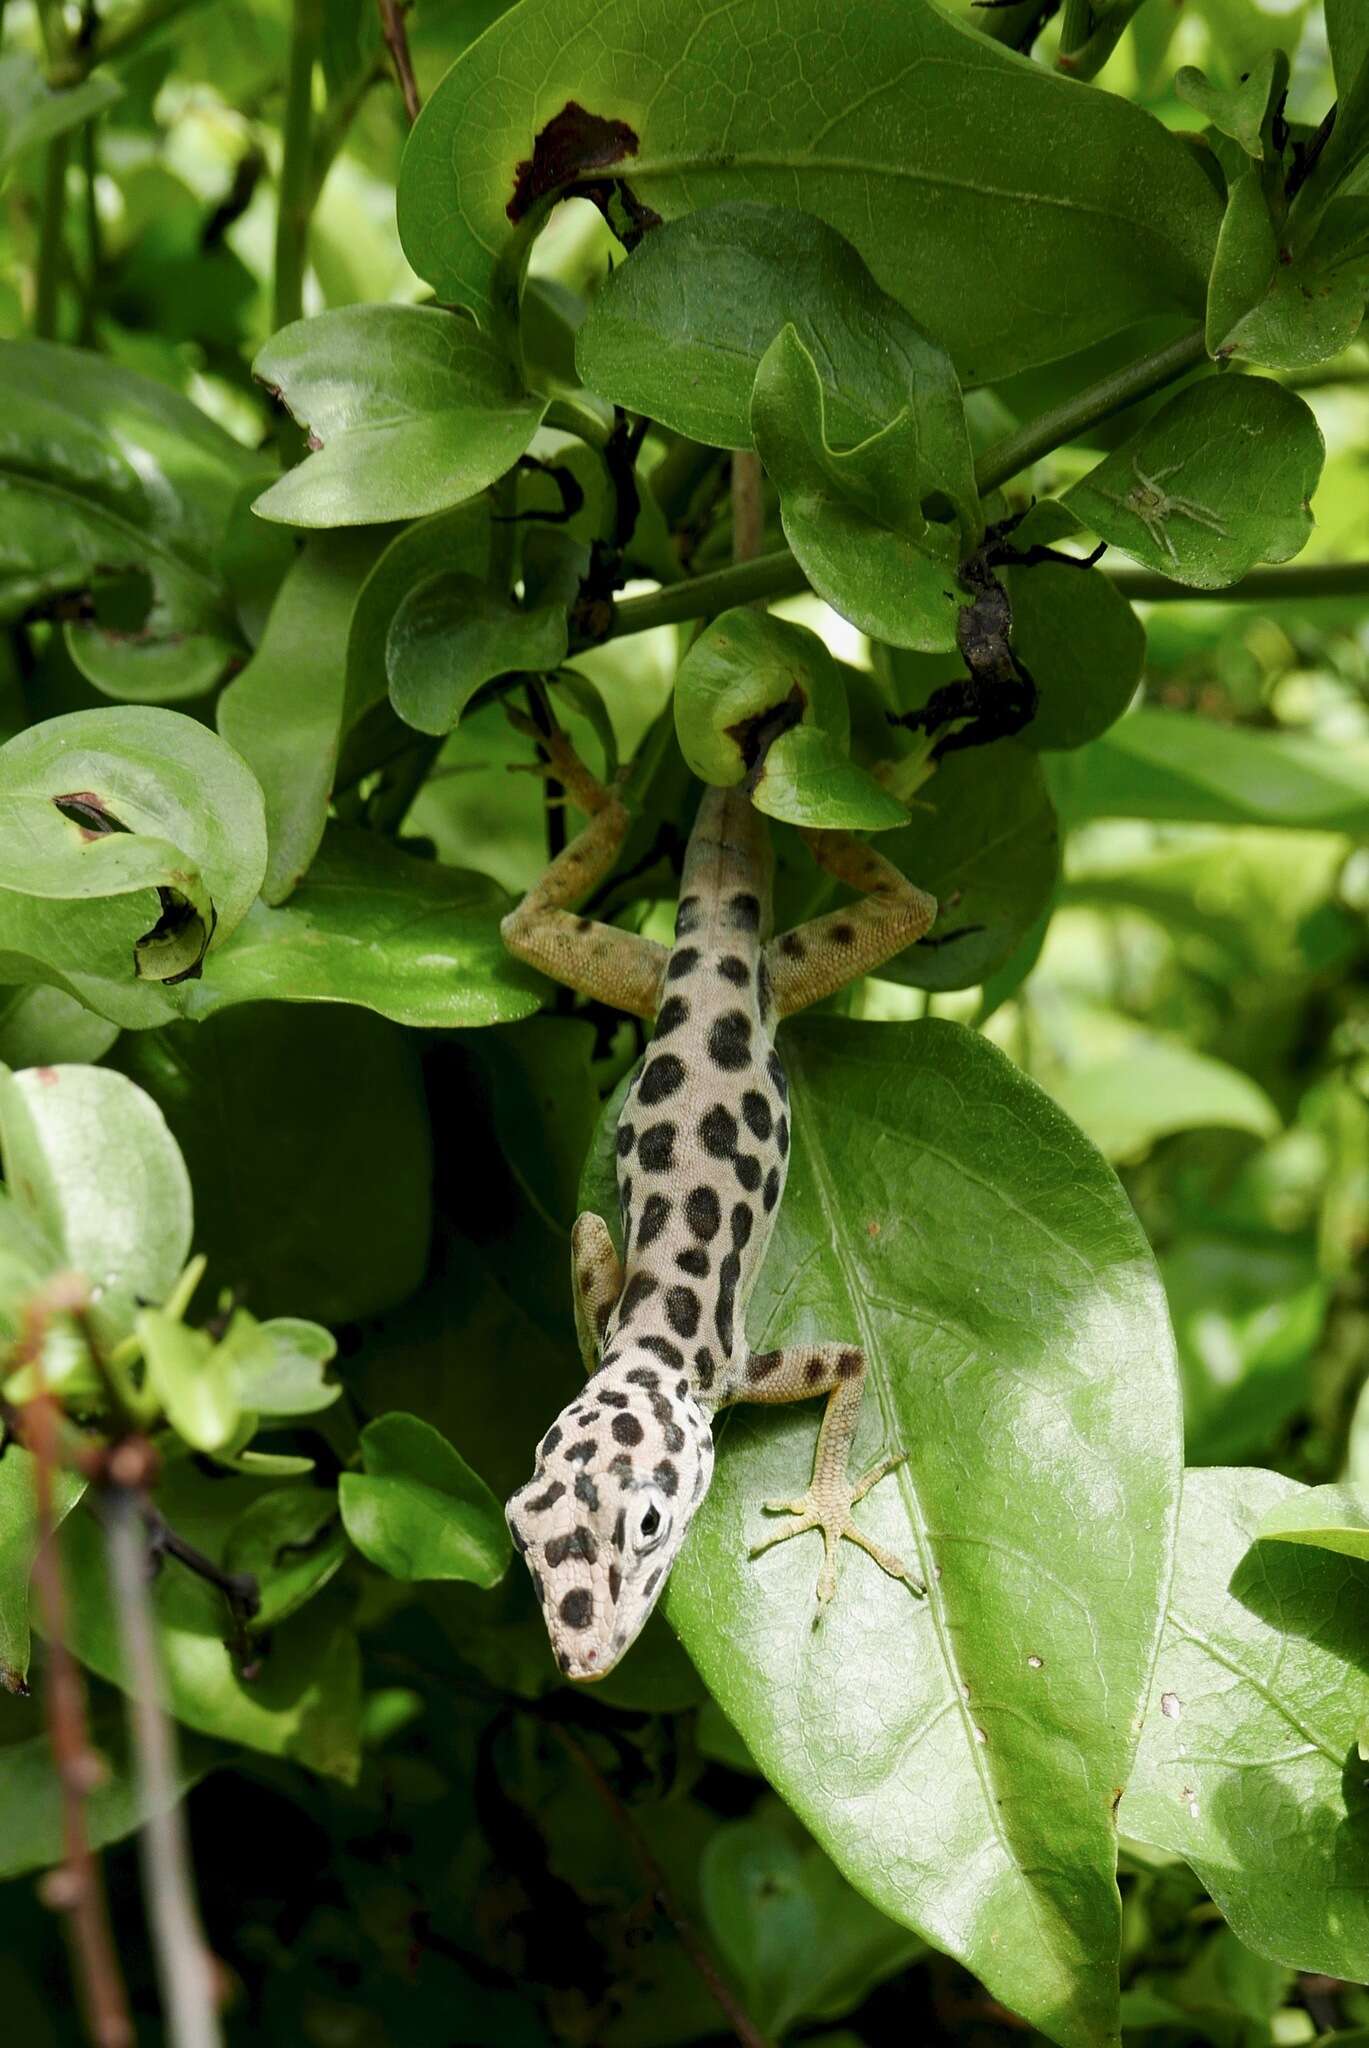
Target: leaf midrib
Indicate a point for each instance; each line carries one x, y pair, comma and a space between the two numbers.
834, 1215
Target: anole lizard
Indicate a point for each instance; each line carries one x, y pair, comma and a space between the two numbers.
702, 1153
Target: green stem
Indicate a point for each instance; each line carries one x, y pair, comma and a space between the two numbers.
1261, 586
1096, 402
297, 187
772, 575
51, 239
90, 283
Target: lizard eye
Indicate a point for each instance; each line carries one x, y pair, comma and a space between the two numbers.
650, 1529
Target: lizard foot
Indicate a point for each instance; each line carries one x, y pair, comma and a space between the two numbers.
828, 1508
562, 764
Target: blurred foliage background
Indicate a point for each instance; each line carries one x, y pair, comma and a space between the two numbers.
514, 1864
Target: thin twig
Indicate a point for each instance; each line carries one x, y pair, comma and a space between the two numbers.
397, 41
239, 1589
185, 1968
690, 1939
748, 506
75, 1886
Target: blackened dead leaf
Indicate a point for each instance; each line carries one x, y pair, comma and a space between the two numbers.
572, 145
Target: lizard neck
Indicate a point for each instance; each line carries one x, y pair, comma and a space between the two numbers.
703, 1136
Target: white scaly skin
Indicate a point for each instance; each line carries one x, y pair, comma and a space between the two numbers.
703, 1149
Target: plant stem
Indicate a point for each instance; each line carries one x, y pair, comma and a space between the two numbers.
1096, 402
75, 1886
1261, 586
748, 506
774, 575
397, 42
51, 239
184, 1968
297, 187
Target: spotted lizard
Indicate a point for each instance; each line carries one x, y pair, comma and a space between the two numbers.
702, 1152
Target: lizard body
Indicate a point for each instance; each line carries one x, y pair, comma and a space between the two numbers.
702, 1153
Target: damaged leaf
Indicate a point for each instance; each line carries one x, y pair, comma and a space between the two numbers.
979, 189
409, 410
116, 496
132, 803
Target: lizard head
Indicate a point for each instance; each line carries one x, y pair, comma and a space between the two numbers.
619, 1475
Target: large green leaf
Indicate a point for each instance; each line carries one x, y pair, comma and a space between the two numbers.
1248, 1765
678, 333
18, 1548
452, 634
957, 1757
1171, 765
307, 1140
853, 516
370, 925
1218, 479
982, 839
31, 1794
284, 713
94, 1170
799, 1940
44, 1027
1127, 1086
292, 1542
305, 1703
1017, 216
417, 1509
759, 698
409, 410
457, 541
131, 841
107, 475
1328, 1517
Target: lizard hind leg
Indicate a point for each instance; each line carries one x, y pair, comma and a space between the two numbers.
837, 1370
818, 958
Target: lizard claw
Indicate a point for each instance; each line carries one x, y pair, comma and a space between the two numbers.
828, 1508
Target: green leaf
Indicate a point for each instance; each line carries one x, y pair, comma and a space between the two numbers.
1305, 310
458, 541
410, 939
853, 516
409, 410
279, 1364
108, 475
93, 1169
325, 1207
43, 1027
977, 188
808, 780
1218, 479
759, 698
1243, 110
129, 803
1138, 1086
292, 1542
193, 1379
1169, 765
679, 332
983, 826
284, 713
451, 635
18, 1548
797, 1938
1083, 646
31, 1794
1246, 1766
418, 1510
1328, 1517
33, 112
306, 1702
932, 1189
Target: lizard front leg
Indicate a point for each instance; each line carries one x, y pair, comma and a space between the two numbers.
596, 1279
818, 958
615, 967
837, 1370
